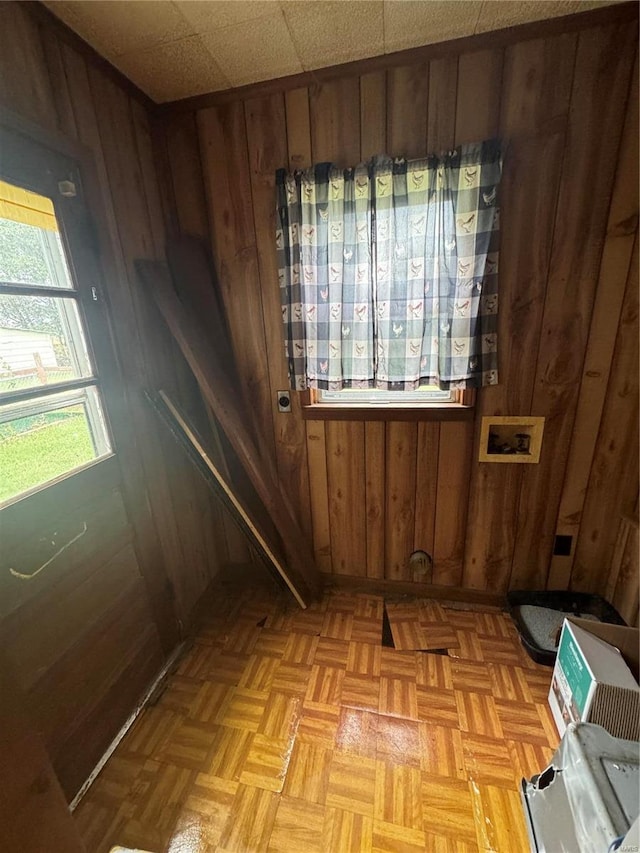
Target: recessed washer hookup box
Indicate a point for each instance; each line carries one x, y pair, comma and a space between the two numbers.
593, 679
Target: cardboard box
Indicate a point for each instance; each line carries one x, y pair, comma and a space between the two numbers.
595, 678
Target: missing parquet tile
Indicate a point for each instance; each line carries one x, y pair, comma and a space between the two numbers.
418, 625
387, 636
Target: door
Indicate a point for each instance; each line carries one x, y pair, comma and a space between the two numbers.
75, 620
33, 813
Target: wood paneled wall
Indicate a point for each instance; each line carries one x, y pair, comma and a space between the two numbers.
370, 493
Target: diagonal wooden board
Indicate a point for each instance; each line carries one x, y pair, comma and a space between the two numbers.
180, 428
193, 341
196, 285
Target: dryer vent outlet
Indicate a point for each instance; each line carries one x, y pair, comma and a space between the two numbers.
421, 566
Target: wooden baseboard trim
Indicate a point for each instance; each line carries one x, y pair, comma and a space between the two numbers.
146, 699
421, 590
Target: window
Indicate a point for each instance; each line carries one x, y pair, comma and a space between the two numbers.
372, 396
372, 404
51, 414
388, 278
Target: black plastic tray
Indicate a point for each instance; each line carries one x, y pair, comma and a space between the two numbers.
571, 603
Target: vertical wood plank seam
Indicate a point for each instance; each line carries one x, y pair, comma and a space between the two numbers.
55, 44
303, 511
548, 265
326, 466
501, 53
74, 110
181, 473
304, 429
591, 320
455, 106
387, 101
465, 504
477, 574
432, 536
600, 420
270, 443
382, 521
435, 505
594, 475
161, 144
173, 226
177, 476
207, 213
124, 271
138, 157
555, 218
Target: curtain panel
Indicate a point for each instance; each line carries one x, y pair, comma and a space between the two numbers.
388, 271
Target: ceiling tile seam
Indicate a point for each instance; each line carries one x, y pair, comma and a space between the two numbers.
240, 23
480, 11
293, 41
223, 74
384, 27
267, 16
195, 33
153, 44
153, 49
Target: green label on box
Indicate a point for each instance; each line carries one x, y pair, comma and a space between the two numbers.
575, 670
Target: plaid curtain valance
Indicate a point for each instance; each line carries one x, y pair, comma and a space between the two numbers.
388, 271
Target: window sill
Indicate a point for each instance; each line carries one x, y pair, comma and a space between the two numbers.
454, 411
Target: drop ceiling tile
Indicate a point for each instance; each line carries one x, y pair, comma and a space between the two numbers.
207, 15
157, 44
257, 50
116, 28
411, 23
329, 33
498, 14
175, 70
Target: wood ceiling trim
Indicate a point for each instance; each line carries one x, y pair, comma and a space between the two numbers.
607, 15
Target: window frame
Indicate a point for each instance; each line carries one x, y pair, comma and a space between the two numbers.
460, 408
37, 161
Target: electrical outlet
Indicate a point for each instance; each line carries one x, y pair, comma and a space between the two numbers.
284, 401
562, 546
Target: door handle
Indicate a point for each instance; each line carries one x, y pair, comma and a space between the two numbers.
24, 577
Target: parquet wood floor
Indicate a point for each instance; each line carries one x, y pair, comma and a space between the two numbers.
305, 735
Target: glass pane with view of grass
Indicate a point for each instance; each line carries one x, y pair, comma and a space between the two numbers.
41, 441
41, 342
46, 430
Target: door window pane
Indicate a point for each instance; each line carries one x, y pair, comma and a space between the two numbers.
31, 251
44, 439
50, 431
41, 342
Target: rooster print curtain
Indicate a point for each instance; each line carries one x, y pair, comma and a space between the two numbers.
388, 271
